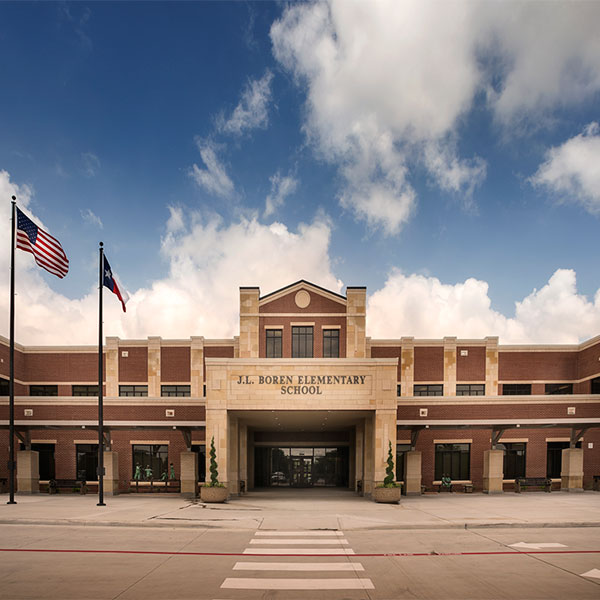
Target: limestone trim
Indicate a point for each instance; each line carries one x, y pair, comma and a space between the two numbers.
304, 314
110, 401
331, 326
93, 424
513, 440
402, 441
491, 422
302, 323
146, 442
300, 285
454, 441
468, 400
276, 362
88, 441
44, 441
273, 326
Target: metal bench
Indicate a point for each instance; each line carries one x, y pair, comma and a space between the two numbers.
54, 485
534, 482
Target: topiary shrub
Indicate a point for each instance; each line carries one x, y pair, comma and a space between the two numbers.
214, 471
390, 475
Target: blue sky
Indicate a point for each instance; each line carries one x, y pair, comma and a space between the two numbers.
445, 156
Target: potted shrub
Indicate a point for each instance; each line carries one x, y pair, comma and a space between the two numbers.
390, 491
213, 491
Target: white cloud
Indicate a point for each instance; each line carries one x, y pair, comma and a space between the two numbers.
388, 83
251, 111
572, 170
424, 307
91, 164
281, 188
91, 218
214, 177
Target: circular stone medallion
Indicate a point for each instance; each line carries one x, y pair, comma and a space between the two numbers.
302, 299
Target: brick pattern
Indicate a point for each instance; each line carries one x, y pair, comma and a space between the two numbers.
318, 304
429, 363
134, 367
175, 363
472, 366
589, 362
528, 366
53, 366
388, 352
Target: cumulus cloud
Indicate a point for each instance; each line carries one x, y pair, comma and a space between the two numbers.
424, 307
252, 109
214, 176
281, 188
572, 170
91, 218
388, 83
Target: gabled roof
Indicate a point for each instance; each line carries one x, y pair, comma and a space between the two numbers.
302, 284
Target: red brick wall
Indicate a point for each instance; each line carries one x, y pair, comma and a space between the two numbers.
471, 367
318, 304
545, 366
588, 364
217, 352
389, 352
134, 367
175, 363
429, 363
66, 366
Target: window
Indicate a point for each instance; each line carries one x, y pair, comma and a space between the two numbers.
152, 459
516, 389
4, 384
87, 462
428, 390
274, 337
331, 343
595, 386
200, 450
133, 390
559, 388
452, 460
398, 389
470, 389
514, 459
554, 458
85, 390
45, 458
302, 342
43, 390
175, 390
401, 450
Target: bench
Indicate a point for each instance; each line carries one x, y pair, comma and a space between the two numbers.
527, 482
54, 485
140, 487
468, 488
596, 484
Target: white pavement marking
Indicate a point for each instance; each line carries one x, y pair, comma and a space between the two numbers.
300, 532
304, 566
268, 551
537, 546
299, 541
298, 584
595, 573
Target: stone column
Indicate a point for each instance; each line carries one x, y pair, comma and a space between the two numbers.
197, 367
407, 366
28, 472
571, 474
412, 473
491, 366
385, 432
493, 471
356, 343
449, 366
243, 453
368, 455
188, 473
111, 472
249, 330
111, 366
154, 366
233, 475
359, 445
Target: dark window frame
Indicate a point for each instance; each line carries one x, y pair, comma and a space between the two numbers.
453, 460
86, 462
274, 343
158, 459
4, 387
515, 459
470, 389
554, 458
84, 390
553, 389
431, 389
516, 389
303, 341
136, 391
176, 391
331, 343
595, 385
43, 390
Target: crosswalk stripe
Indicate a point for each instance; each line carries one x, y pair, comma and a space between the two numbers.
298, 584
304, 566
268, 551
300, 532
299, 541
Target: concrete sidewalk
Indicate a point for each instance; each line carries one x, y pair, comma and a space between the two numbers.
284, 509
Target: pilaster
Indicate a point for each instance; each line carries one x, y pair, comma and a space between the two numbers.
491, 366
188, 473
197, 367
407, 365
111, 473
154, 344
356, 307
385, 432
249, 330
412, 473
449, 366
359, 446
111, 366
571, 474
493, 471
28, 472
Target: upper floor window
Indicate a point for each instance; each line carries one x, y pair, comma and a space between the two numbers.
43, 390
559, 388
331, 343
85, 390
470, 389
398, 389
516, 389
274, 348
436, 389
302, 342
175, 390
4, 387
133, 390
595, 386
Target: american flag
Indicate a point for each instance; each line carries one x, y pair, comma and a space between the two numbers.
46, 250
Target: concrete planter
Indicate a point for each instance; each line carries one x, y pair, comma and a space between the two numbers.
388, 495
213, 494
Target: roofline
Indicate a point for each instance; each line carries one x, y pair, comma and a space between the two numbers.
291, 285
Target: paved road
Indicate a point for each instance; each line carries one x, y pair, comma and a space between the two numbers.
130, 563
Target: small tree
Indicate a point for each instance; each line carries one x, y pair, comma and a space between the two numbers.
390, 476
214, 473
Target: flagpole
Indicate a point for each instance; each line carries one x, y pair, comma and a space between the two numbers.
100, 395
11, 384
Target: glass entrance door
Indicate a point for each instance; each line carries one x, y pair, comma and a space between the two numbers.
302, 467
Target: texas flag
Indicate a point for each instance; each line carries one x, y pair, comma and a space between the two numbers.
111, 284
